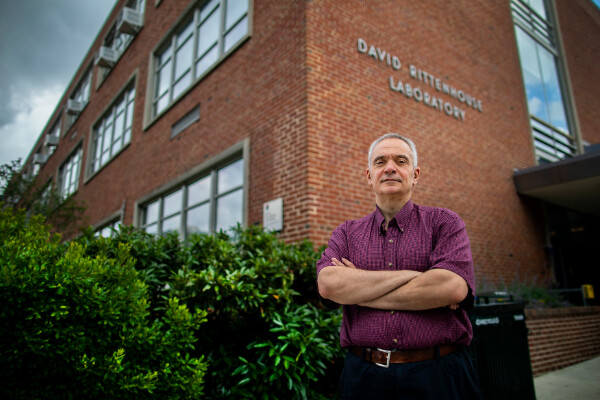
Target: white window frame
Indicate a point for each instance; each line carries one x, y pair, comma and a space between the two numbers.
550, 143
70, 173
106, 125
81, 93
119, 41
209, 168
164, 57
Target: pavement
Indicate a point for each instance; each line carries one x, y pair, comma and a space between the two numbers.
580, 381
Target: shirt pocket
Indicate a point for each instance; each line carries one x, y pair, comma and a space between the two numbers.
415, 259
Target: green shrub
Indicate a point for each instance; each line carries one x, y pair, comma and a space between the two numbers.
112, 316
75, 326
266, 335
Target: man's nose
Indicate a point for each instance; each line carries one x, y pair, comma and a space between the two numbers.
390, 168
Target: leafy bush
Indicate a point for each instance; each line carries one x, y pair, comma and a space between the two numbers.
110, 318
266, 335
75, 326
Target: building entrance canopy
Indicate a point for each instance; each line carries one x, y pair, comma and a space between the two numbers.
572, 183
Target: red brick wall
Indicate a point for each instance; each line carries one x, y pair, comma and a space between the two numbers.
257, 93
580, 28
310, 104
562, 337
465, 166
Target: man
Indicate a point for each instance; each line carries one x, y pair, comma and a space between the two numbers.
404, 275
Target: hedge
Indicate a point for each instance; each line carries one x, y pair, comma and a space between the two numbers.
229, 315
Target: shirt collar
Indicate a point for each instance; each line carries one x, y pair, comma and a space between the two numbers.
402, 217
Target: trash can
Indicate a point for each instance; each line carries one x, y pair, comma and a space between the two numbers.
500, 350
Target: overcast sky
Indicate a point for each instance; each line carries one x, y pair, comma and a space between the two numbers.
42, 43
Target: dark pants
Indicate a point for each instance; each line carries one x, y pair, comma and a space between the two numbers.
449, 377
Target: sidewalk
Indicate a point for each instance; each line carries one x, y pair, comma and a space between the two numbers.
579, 381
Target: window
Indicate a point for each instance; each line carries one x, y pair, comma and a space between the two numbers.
113, 132
108, 230
209, 33
211, 202
52, 137
68, 175
79, 98
540, 66
117, 41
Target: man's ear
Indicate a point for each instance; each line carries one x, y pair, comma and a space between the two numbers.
416, 173
369, 176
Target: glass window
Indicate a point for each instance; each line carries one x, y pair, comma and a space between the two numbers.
69, 174
200, 206
108, 230
113, 131
202, 42
80, 97
540, 68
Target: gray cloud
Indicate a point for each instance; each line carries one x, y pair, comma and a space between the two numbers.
42, 43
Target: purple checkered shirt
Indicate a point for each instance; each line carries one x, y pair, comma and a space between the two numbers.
418, 238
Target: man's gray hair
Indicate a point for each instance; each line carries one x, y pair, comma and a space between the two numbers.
391, 135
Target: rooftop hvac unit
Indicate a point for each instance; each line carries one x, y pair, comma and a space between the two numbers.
75, 107
40, 158
130, 21
106, 57
51, 140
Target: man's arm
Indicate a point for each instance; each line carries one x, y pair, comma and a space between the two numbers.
432, 289
343, 283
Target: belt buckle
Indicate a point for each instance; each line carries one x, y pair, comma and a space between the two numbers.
388, 356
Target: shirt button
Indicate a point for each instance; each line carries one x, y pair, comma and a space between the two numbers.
401, 229
392, 312
395, 341
391, 240
390, 265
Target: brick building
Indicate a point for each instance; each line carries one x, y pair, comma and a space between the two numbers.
195, 115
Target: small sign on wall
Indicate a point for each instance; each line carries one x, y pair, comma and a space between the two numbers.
273, 215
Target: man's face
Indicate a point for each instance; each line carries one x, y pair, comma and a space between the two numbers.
392, 171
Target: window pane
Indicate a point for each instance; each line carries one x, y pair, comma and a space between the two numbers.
164, 79
229, 210
173, 203
532, 75
208, 33
207, 61
163, 57
184, 34
235, 10
207, 9
161, 104
152, 229
129, 121
236, 34
197, 219
172, 224
538, 7
231, 176
554, 100
151, 214
199, 191
183, 59
182, 84
119, 122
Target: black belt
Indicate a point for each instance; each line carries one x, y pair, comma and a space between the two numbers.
384, 358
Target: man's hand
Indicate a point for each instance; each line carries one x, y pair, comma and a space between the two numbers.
432, 289
344, 283
343, 263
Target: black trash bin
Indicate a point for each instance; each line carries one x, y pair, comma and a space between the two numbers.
500, 350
